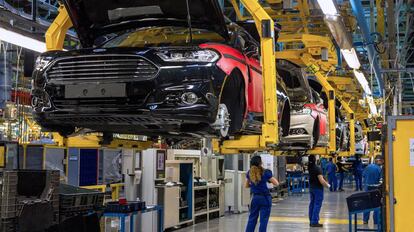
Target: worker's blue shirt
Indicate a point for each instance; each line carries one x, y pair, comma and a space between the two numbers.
261, 187
372, 174
331, 168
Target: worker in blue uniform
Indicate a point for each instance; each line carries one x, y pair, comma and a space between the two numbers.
316, 184
372, 180
358, 169
341, 171
324, 162
256, 179
331, 172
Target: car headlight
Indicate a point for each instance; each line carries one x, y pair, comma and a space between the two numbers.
42, 62
298, 131
302, 111
204, 56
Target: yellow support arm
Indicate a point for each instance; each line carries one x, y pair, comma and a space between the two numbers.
55, 35
310, 62
265, 27
351, 116
270, 129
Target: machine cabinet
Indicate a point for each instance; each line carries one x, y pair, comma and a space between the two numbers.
169, 197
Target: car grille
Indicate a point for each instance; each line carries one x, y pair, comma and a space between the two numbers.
120, 119
107, 103
102, 67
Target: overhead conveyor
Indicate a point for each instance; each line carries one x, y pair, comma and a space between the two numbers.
317, 53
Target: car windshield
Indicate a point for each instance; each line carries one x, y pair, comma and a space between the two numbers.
159, 36
296, 92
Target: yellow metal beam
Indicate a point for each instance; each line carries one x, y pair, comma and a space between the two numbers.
93, 141
304, 12
243, 143
311, 45
55, 35
337, 80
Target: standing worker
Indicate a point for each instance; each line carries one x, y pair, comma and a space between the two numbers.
256, 179
358, 169
341, 171
372, 180
331, 171
316, 184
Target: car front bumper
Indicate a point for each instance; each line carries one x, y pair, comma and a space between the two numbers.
304, 123
155, 104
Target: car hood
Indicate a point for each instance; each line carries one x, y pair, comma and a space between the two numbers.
94, 18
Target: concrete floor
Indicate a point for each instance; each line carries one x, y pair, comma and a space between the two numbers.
290, 215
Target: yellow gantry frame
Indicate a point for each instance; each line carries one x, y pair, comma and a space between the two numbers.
56, 33
270, 130
304, 55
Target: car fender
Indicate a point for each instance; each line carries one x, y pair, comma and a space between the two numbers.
231, 59
323, 127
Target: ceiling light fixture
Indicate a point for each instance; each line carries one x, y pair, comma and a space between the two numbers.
351, 58
328, 7
363, 82
22, 40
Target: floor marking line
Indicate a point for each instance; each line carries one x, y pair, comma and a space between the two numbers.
306, 220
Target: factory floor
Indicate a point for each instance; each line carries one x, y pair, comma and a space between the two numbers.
290, 214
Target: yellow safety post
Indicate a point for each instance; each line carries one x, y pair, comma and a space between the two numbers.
351, 117
56, 33
115, 190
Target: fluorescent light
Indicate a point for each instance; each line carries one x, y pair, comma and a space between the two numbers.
22, 41
351, 58
363, 82
328, 7
372, 106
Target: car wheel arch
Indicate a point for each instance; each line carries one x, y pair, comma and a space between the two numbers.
316, 131
237, 78
284, 120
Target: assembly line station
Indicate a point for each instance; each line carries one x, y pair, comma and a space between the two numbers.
152, 115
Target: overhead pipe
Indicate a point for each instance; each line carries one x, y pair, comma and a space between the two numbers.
358, 11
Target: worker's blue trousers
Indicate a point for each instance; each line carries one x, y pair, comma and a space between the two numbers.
341, 180
262, 205
333, 181
358, 181
316, 198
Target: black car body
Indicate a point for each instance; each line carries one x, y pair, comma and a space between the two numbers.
148, 73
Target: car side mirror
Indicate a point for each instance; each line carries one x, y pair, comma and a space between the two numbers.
252, 51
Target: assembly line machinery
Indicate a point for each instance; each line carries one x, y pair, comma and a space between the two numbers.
306, 46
